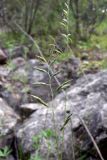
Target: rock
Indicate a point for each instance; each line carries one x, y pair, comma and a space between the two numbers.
17, 62
84, 56
4, 71
42, 121
12, 97
16, 87
68, 69
28, 109
34, 62
3, 57
18, 51
30, 76
8, 120
86, 99
22, 79
40, 90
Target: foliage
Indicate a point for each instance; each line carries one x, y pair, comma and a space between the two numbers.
75, 20
63, 56
45, 134
88, 67
87, 15
103, 64
5, 152
19, 77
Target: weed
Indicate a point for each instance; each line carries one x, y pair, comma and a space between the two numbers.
11, 65
20, 77
37, 140
5, 152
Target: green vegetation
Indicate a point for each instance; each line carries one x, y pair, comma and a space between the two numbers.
21, 78
82, 21
4, 152
103, 64
37, 140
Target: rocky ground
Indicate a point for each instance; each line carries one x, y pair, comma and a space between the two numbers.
30, 106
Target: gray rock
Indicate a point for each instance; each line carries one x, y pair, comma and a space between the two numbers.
20, 81
8, 120
18, 51
12, 97
40, 122
4, 71
28, 109
17, 62
86, 99
68, 69
43, 91
3, 57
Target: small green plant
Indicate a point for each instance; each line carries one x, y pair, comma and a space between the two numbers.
9, 87
45, 134
19, 77
63, 56
11, 65
5, 152
103, 64
89, 67
26, 89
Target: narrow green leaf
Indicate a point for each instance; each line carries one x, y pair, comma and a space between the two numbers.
1, 154
52, 45
65, 11
66, 122
66, 5
42, 58
4, 152
58, 51
65, 20
63, 84
40, 69
68, 34
40, 100
63, 24
64, 35
56, 73
52, 62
